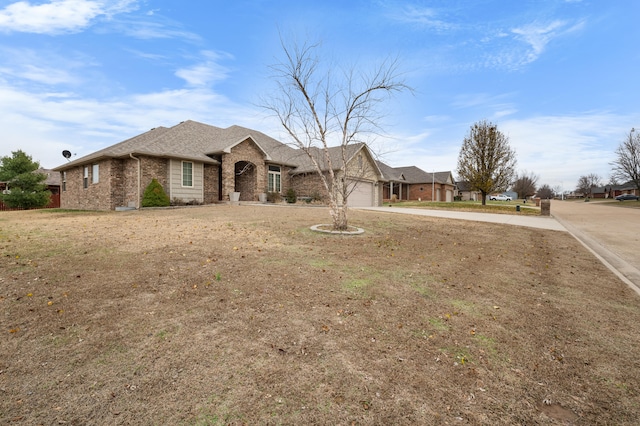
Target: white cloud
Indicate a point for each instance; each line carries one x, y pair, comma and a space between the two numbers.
425, 17
28, 66
43, 124
58, 16
205, 73
538, 36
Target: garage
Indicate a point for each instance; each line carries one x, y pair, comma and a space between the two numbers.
362, 194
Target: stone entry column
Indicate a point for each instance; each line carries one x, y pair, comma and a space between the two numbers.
545, 207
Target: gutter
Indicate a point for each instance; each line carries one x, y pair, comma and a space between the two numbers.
138, 187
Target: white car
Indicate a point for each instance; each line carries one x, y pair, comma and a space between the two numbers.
500, 197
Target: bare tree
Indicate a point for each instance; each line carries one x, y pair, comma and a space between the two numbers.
486, 160
546, 192
525, 184
587, 183
626, 166
320, 109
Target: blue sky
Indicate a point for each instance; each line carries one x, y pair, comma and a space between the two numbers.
558, 77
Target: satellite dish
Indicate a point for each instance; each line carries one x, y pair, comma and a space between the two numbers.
66, 154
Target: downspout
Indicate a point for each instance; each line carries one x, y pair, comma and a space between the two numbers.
138, 187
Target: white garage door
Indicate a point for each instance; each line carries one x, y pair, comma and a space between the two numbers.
362, 194
449, 196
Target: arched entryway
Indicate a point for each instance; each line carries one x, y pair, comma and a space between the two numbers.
245, 180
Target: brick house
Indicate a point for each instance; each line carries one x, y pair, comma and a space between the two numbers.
413, 183
199, 163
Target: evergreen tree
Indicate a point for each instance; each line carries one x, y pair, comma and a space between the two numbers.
26, 189
154, 195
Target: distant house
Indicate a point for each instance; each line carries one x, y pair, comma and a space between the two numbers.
413, 183
198, 163
612, 191
465, 192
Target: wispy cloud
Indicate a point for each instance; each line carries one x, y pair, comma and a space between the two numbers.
54, 120
28, 66
494, 106
425, 17
206, 72
58, 16
537, 36
153, 26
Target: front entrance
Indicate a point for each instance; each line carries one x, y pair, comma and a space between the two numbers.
245, 180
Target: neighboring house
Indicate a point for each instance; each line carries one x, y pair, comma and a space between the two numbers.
612, 191
413, 183
466, 193
395, 184
201, 164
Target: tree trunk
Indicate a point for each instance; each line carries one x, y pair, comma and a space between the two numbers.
484, 198
339, 216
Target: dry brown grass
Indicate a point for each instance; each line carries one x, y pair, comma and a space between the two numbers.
242, 315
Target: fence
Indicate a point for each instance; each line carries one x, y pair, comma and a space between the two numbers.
53, 204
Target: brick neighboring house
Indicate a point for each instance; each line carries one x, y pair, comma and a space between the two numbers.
199, 163
413, 183
612, 191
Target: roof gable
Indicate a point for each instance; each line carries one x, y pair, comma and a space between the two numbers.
305, 164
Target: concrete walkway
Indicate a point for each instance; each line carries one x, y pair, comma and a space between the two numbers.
609, 232
507, 219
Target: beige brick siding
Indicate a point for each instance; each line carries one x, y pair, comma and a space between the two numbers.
117, 186
97, 196
308, 185
211, 183
254, 179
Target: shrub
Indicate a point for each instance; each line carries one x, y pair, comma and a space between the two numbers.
154, 195
273, 197
291, 196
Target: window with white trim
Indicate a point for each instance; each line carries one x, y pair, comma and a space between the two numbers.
95, 173
274, 179
85, 177
64, 181
187, 174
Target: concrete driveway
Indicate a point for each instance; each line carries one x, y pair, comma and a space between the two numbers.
611, 232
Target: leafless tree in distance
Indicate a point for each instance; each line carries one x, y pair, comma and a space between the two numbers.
626, 166
525, 184
586, 184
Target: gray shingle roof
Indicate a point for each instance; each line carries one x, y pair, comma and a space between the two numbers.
305, 165
190, 140
196, 141
413, 174
389, 173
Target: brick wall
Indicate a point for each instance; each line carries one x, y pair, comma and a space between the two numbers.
308, 185
97, 196
117, 186
211, 183
256, 180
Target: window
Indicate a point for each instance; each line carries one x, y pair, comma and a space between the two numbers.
95, 173
64, 181
85, 177
274, 179
187, 173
